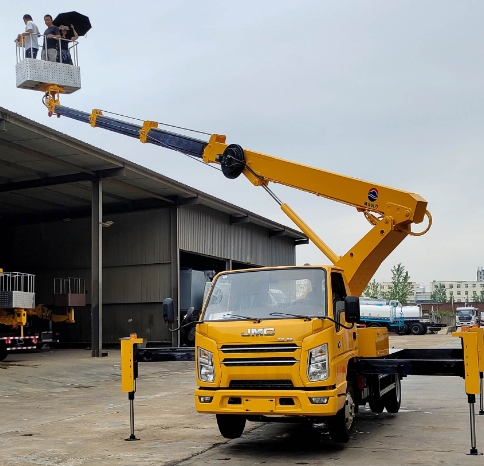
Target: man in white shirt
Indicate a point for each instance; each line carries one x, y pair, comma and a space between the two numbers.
30, 37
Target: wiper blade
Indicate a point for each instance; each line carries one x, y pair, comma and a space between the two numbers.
298, 316
235, 316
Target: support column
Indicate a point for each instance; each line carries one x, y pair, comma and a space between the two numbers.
228, 264
96, 269
175, 272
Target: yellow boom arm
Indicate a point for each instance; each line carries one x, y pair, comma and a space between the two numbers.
391, 211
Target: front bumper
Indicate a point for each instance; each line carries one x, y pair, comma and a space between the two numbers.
259, 402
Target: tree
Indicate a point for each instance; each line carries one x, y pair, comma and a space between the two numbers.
439, 295
373, 290
400, 288
478, 298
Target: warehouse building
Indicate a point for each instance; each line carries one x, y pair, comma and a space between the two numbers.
57, 193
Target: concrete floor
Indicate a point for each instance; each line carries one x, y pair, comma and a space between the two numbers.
65, 408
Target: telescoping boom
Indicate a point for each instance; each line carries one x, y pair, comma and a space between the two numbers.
390, 211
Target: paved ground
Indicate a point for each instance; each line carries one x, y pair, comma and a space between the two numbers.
65, 408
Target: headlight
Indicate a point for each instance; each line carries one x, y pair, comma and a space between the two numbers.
206, 371
318, 363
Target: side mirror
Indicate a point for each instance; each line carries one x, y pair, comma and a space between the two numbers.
168, 311
189, 313
352, 309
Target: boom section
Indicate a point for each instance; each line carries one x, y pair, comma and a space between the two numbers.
178, 142
404, 207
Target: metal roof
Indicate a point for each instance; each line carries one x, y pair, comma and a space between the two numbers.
46, 175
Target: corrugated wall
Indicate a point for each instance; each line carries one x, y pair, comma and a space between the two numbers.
208, 231
136, 262
136, 270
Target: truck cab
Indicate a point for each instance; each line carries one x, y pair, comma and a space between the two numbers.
277, 342
466, 316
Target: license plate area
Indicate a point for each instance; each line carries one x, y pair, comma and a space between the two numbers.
259, 404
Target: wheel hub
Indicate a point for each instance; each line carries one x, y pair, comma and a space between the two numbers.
349, 410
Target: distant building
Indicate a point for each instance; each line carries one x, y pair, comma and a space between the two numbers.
457, 291
462, 291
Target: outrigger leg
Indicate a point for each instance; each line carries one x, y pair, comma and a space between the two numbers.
471, 400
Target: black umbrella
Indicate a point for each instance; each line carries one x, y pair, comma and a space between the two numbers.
80, 22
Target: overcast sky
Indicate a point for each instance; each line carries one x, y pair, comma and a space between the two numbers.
387, 91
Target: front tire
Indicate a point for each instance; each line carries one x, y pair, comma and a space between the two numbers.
231, 425
340, 425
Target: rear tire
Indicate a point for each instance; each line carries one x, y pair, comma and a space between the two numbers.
404, 330
374, 324
393, 398
417, 329
341, 424
231, 425
376, 405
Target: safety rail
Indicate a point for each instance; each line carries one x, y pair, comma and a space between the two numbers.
17, 281
17, 291
69, 285
53, 71
69, 292
43, 52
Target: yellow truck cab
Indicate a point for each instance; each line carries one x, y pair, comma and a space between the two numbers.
274, 343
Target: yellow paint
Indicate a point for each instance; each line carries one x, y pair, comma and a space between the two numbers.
471, 360
94, 114
480, 345
373, 342
147, 125
391, 214
127, 362
52, 96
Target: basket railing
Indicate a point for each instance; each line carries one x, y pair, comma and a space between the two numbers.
43, 51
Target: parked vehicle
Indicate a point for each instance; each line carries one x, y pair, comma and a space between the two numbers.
395, 317
466, 316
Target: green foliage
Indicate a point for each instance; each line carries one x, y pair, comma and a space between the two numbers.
373, 290
400, 288
478, 298
438, 295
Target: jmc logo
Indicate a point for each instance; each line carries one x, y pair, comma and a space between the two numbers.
259, 332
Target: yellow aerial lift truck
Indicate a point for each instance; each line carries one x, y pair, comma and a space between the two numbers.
282, 343
18, 312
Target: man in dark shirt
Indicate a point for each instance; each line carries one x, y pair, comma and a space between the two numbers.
51, 40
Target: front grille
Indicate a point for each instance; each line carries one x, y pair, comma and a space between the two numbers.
283, 361
260, 348
261, 384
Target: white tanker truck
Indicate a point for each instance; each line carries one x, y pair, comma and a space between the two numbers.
393, 316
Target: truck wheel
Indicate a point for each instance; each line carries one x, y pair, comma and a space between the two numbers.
231, 425
417, 329
404, 330
341, 423
393, 398
374, 324
376, 406
3, 351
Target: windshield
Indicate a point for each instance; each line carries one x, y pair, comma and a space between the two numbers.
261, 293
463, 313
